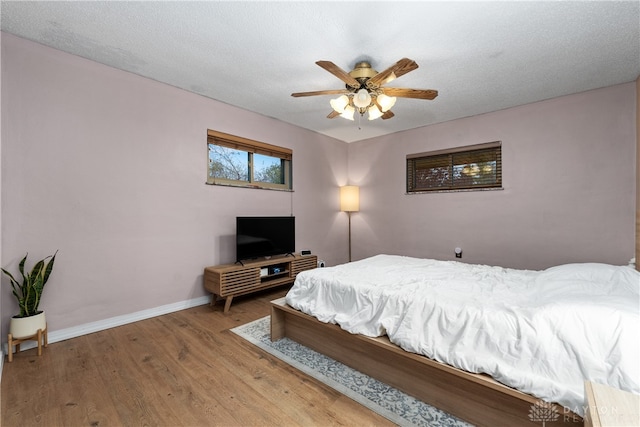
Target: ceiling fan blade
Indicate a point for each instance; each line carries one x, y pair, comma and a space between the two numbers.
333, 114
398, 69
387, 115
410, 93
339, 73
320, 92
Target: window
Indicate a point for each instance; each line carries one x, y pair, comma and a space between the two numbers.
463, 168
243, 162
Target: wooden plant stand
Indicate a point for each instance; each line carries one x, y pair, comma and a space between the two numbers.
40, 336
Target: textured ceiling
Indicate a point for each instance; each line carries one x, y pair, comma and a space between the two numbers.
480, 56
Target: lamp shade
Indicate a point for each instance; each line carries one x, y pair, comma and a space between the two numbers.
362, 99
348, 112
339, 103
386, 102
374, 112
350, 198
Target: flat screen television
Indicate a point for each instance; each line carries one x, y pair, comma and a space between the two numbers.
261, 236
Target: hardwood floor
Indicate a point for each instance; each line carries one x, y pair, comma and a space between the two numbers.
181, 369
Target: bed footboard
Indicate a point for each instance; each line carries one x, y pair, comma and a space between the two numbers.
475, 398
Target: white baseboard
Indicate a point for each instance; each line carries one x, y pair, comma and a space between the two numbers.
101, 325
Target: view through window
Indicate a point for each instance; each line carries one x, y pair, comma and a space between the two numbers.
463, 168
239, 161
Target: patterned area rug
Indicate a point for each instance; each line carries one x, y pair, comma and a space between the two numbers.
387, 401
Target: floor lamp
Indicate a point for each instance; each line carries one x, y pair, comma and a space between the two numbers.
349, 202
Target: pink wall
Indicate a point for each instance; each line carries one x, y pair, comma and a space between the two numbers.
580, 207
1, 293
637, 173
110, 168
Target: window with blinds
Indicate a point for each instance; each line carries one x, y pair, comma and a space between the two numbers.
473, 167
237, 161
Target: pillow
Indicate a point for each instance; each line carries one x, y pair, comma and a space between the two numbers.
592, 272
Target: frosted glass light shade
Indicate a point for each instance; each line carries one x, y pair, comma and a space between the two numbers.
339, 103
374, 112
348, 112
386, 102
362, 99
350, 198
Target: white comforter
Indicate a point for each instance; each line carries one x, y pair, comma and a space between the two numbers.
541, 332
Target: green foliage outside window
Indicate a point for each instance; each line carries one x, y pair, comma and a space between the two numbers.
243, 164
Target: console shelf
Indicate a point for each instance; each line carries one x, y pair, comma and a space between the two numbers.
230, 280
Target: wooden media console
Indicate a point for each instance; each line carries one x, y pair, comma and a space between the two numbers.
230, 280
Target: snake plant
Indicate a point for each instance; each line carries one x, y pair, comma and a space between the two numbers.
28, 292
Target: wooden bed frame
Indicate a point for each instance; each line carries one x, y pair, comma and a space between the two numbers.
475, 398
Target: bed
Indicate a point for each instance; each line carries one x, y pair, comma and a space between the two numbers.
487, 344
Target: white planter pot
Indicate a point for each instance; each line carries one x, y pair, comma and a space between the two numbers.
21, 327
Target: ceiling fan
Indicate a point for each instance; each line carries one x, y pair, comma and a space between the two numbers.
363, 91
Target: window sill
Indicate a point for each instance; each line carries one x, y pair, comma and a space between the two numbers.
252, 186
462, 190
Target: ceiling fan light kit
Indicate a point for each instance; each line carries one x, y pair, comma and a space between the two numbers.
374, 112
386, 102
340, 103
348, 112
364, 92
362, 99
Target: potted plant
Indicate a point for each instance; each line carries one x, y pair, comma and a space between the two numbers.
28, 294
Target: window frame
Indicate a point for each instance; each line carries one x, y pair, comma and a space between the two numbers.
446, 158
251, 147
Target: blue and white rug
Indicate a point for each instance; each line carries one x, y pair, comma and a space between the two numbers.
387, 401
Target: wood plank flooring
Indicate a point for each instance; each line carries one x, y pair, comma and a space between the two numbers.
180, 369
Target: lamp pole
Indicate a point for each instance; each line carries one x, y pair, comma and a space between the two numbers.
349, 214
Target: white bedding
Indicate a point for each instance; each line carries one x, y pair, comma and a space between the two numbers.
541, 332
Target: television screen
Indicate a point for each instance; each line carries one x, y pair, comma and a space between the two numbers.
260, 236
